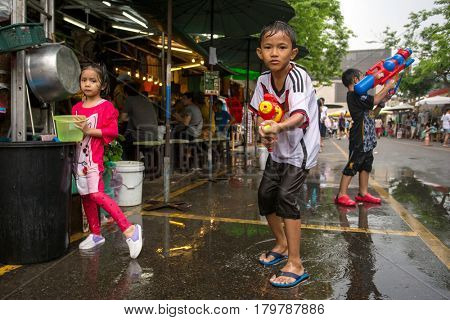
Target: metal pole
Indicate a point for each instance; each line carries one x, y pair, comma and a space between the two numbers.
18, 104
210, 164
246, 104
163, 71
168, 99
49, 29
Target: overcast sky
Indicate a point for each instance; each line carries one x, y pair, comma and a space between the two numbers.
368, 18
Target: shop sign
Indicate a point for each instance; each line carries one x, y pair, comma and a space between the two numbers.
212, 83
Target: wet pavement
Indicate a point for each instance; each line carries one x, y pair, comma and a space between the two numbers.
210, 251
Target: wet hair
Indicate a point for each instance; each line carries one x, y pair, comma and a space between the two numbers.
102, 74
348, 75
278, 26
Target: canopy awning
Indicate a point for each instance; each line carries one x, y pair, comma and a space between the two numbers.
399, 107
434, 101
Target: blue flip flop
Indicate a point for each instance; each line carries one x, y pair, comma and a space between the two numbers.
278, 258
298, 279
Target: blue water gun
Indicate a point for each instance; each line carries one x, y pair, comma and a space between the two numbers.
385, 70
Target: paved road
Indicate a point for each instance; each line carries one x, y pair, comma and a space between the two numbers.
398, 250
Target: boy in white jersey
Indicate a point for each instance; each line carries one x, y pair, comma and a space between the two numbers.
295, 144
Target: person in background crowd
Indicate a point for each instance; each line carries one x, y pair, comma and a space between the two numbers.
222, 119
334, 128
407, 127
413, 126
236, 111
322, 127
140, 114
119, 97
434, 129
378, 127
446, 126
426, 135
341, 126
190, 121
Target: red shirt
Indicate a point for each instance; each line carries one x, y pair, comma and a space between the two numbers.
90, 151
235, 107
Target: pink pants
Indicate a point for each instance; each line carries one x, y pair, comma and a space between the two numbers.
92, 201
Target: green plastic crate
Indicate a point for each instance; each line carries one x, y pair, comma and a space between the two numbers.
21, 36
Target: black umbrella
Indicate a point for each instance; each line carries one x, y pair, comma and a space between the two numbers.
240, 52
229, 17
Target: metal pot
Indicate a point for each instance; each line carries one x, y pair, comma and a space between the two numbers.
53, 72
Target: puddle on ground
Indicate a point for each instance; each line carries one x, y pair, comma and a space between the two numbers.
428, 202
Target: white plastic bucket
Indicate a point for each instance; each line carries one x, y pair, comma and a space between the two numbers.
263, 154
130, 193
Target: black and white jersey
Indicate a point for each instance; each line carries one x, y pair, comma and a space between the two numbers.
299, 146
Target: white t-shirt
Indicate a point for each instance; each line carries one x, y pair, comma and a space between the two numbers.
446, 121
378, 123
299, 146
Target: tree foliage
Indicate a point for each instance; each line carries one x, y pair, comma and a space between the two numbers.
320, 27
430, 45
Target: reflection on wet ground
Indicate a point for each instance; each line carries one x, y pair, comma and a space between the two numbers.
430, 203
210, 252
191, 259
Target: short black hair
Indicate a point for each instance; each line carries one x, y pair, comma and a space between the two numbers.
279, 26
319, 102
132, 88
348, 75
189, 95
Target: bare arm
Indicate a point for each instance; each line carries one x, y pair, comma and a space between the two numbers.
378, 108
384, 92
294, 121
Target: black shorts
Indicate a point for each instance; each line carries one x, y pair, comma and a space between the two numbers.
358, 161
280, 189
323, 130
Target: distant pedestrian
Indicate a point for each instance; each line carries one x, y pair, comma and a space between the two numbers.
341, 126
347, 127
378, 127
426, 135
362, 139
99, 126
334, 128
323, 115
413, 127
446, 127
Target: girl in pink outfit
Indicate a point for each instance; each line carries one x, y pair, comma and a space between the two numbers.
99, 127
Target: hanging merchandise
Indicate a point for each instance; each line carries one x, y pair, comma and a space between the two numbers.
5, 10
